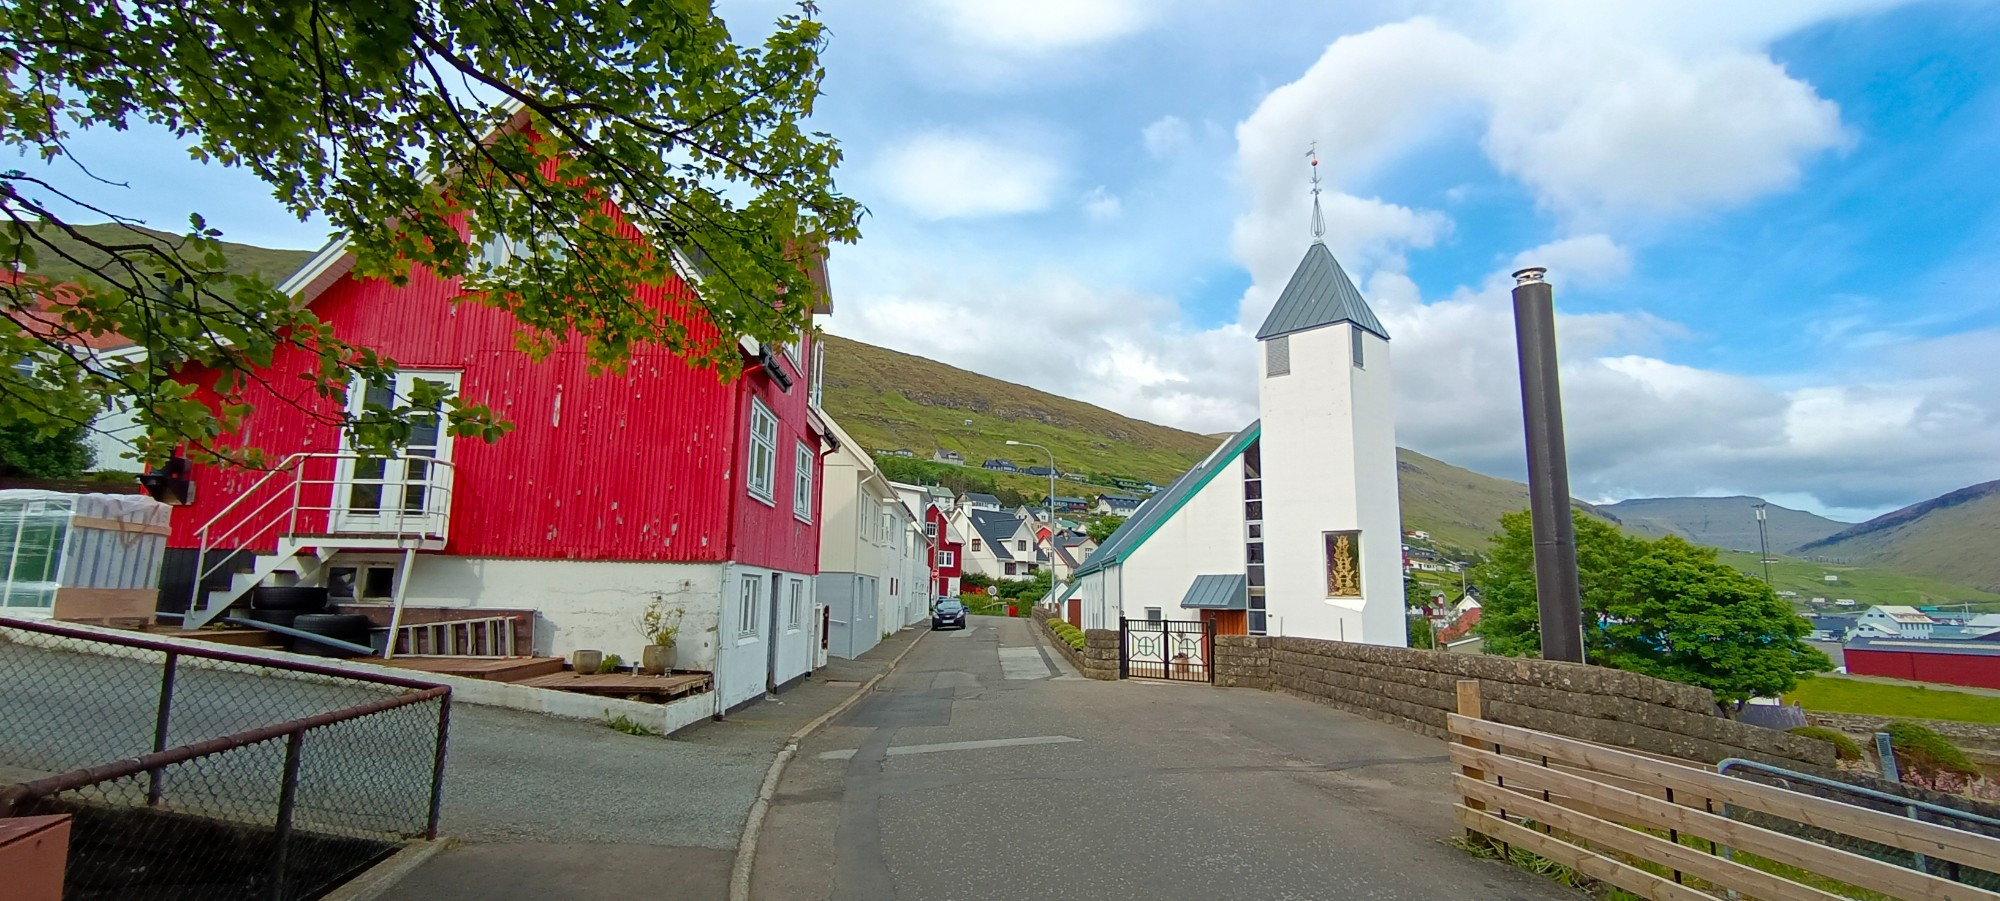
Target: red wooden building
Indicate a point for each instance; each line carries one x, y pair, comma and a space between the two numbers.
947, 552
1975, 663
664, 483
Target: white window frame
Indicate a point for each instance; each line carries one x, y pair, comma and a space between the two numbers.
751, 603
947, 558
1354, 345
1155, 614
762, 468
818, 380
796, 616
931, 530
802, 482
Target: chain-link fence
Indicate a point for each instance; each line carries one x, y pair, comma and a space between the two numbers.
208, 773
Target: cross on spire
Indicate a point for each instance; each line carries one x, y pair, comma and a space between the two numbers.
1318, 221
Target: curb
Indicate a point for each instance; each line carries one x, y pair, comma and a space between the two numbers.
385, 875
753, 823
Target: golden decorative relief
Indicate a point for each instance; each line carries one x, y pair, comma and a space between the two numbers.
1343, 564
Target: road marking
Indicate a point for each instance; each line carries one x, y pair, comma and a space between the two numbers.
1022, 663
959, 746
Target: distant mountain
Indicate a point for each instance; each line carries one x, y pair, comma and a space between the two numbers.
1954, 536
1724, 522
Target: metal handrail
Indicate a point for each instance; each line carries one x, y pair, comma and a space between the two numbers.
1780, 772
439, 485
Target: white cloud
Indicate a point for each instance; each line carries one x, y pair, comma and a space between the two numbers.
1166, 136
1036, 26
1100, 204
1586, 259
948, 176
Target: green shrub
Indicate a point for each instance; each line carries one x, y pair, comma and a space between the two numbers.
1844, 748
1926, 754
629, 726
610, 664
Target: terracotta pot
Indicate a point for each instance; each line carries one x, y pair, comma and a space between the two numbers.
656, 659
586, 662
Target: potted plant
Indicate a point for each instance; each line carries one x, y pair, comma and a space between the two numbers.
660, 625
585, 661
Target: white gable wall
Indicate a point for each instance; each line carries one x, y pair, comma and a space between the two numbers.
1203, 537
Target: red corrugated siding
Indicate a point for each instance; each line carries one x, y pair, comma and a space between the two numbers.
633, 466
1946, 669
770, 534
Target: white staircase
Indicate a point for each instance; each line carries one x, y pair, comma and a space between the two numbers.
300, 516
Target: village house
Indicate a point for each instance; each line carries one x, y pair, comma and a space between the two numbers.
874, 554
1896, 620
662, 483
979, 501
951, 457
1000, 465
1116, 505
998, 545
1291, 526
945, 543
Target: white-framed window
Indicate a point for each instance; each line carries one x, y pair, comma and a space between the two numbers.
802, 482
947, 558
1354, 335
975, 544
930, 530
1153, 615
362, 582
763, 451
818, 373
752, 602
796, 614
1021, 544
888, 526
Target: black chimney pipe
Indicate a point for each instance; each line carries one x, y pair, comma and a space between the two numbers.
1548, 469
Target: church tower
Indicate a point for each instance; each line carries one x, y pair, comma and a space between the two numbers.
1332, 521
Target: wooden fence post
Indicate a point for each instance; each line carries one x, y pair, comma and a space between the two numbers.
1469, 704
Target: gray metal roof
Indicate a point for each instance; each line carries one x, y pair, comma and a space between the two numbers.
974, 497
1319, 293
998, 528
1229, 592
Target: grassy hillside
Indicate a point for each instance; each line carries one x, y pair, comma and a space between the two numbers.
1724, 522
272, 264
1867, 585
889, 400
1951, 537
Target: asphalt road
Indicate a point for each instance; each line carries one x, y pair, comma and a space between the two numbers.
983, 768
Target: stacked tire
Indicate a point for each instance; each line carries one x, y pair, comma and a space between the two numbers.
306, 609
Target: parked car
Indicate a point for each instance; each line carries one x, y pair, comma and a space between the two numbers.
948, 614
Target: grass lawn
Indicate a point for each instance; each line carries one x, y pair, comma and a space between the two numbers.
1832, 694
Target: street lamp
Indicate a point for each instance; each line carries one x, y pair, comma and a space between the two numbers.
1052, 479
1763, 542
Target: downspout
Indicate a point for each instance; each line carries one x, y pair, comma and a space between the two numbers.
735, 445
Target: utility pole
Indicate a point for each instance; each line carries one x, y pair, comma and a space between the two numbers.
1556, 590
1763, 543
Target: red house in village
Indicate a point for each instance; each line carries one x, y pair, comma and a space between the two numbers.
947, 553
665, 483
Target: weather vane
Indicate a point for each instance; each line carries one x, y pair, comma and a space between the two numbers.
1318, 221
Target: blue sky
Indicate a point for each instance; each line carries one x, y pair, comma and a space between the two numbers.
1770, 230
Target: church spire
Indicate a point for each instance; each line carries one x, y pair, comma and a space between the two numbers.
1318, 221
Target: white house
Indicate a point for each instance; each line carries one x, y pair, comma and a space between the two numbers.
1899, 620
1292, 526
1116, 505
998, 545
865, 552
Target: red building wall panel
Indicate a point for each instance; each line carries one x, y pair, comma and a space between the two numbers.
1946, 669
940, 573
637, 465
771, 534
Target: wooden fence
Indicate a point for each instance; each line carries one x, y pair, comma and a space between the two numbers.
1667, 830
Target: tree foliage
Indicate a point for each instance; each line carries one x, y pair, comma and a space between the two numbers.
64, 453
1665, 608
423, 131
1100, 528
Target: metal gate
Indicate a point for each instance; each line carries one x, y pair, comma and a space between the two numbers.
1181, 650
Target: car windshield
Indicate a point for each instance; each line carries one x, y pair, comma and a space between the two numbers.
950, 606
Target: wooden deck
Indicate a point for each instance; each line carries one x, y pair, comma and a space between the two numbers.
649, 688
493, 669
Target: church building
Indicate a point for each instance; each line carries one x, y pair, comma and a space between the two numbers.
1292, 526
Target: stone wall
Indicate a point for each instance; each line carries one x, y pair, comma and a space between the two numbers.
1417, 689
1099, 657
1971, 735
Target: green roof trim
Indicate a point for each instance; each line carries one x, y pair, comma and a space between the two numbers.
1219, 592
1162, 506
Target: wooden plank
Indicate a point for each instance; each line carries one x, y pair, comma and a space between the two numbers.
1582, 860
1470, 705
1929, 839
117, 525
1645, 846
105, 604
1643, 810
